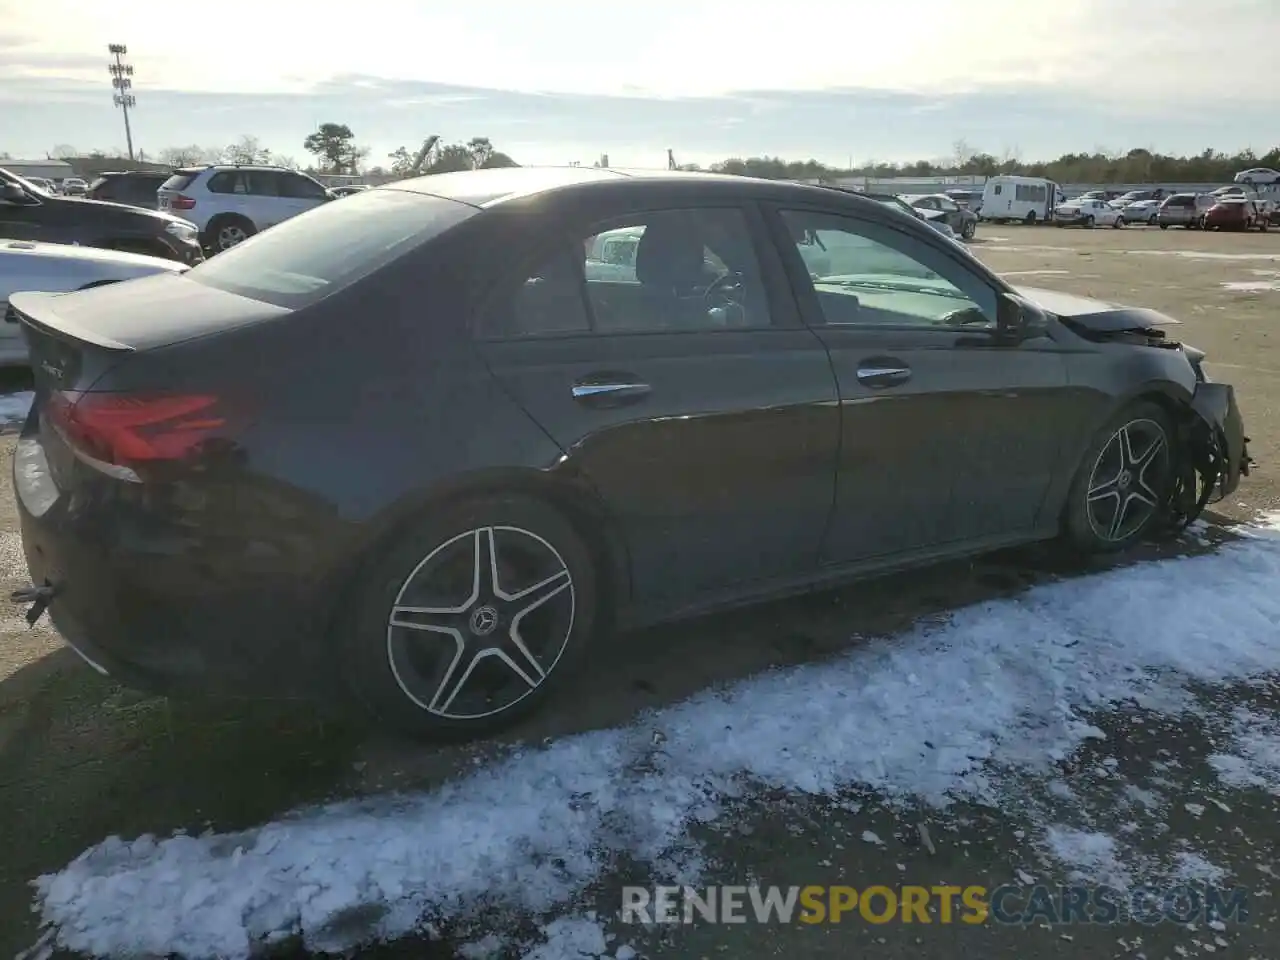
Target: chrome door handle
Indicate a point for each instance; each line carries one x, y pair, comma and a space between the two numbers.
883, 373
584, 390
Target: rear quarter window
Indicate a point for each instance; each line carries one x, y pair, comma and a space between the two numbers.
315, 254
179, 181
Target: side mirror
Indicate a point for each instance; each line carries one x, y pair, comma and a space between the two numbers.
12, 193
1017, 319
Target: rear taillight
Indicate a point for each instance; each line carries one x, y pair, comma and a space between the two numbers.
181, 202
124, 433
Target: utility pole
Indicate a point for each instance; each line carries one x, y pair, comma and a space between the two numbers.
122, 83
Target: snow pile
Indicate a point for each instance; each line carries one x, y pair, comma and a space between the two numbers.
963, 710
1255, 761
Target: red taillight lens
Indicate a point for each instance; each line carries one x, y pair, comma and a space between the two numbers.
135, 430
181, 202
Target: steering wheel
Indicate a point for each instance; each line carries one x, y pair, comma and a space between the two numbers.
724, 294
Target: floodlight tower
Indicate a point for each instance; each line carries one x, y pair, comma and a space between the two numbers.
122, 83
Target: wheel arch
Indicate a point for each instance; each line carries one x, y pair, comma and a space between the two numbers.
570, 496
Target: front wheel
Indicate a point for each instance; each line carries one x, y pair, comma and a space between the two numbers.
1119, 222
969, 229
1123, 481
1088, 223
1164, 226
472, 619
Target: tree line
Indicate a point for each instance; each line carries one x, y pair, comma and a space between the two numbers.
335, 151
1138, 165
333, 148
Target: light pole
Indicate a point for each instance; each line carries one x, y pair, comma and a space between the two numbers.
122, 83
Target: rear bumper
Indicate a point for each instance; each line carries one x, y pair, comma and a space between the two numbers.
145, 602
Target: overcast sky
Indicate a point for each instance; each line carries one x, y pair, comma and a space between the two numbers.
559, 81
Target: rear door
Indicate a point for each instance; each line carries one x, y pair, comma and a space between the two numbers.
946, 436
707, 419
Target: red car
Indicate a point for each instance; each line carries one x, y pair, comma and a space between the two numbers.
1235, 213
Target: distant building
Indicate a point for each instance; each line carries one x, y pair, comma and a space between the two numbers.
47, 169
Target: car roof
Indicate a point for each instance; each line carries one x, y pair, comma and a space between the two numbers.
485, 188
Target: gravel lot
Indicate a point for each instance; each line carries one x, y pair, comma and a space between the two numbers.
81, 760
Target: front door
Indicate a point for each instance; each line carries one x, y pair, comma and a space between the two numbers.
946, 435
683, 387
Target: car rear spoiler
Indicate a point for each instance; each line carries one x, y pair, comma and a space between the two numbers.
36, 310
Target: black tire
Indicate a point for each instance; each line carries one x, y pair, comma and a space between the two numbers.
386, 663
1164, 226
1088, 222
1030, 219
1086, 514
222, 230
969, 229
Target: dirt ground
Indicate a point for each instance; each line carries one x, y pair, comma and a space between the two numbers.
81, 759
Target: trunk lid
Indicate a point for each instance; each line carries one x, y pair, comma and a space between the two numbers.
142, 314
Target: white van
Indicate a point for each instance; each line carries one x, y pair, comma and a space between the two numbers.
1029, 199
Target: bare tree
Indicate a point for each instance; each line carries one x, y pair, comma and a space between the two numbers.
184, 156
247, 149
962, 153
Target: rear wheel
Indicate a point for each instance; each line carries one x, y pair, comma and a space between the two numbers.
1088, 222
1118, 223
1030, 219
1165, 226
471, 619
1122, 482
228, 230
969, 229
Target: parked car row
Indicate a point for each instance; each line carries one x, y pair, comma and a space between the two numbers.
226, 485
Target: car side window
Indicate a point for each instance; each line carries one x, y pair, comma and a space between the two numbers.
224, 181
550, 301
876, 276
947, 205
300, 188
669, 271
675, 271
261, 183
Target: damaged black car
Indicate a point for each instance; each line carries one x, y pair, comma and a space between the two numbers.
421, 449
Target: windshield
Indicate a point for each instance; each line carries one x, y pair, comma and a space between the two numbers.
317, 253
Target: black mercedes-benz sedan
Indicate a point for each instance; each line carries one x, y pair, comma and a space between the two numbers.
426, 445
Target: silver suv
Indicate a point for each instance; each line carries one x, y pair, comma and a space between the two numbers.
229, 203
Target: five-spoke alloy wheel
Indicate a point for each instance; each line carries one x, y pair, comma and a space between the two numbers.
479, 610
1124, 489
472, 659
1123, 481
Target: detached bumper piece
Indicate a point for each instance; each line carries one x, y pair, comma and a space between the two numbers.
39, 597
1211, 457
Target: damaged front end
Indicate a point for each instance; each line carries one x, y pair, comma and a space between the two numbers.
1211, 451
1214, 454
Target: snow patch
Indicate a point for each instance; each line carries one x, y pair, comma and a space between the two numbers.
967, 709
1254, 761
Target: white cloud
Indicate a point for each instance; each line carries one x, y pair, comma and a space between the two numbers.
1147, 48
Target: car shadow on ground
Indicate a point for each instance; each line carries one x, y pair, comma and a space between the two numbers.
82, 759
